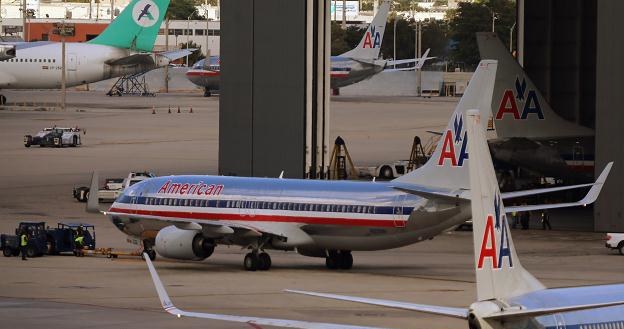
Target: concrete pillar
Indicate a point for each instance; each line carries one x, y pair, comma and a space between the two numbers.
274, 102
609, 208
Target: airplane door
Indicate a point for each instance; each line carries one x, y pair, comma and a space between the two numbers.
72, 62
399, 220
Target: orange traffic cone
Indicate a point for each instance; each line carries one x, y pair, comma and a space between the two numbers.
178, 109
191, 111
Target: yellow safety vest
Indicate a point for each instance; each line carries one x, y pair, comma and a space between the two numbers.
24, 240
79, 239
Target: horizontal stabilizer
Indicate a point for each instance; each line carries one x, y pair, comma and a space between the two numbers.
166, 303
455, 312
134, 59
172, 55
445, 197
510, 314
589, 198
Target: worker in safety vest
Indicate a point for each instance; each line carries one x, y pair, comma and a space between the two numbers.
79, 242
23, 243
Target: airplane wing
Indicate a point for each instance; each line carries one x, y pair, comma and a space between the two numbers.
419, 62
601, 179
455, 312
167, 304
589, 198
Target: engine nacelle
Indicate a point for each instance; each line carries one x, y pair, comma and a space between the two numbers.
7, 52
172, 242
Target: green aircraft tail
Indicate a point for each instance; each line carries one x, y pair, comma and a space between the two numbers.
136, 27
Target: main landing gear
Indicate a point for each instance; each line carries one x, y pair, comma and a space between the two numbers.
339, 259
255, 261
207, 92
148, 248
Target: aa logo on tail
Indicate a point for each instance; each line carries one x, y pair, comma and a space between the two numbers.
454, 146
372, 38
495, 226
145, 13
510, 103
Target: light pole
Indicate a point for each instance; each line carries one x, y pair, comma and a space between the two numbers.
494, 18
394, 40
511, 37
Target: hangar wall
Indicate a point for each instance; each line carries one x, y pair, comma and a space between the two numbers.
262, 116
610, 114
559, 40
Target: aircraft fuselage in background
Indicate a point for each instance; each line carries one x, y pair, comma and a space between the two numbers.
39, 66
344, 72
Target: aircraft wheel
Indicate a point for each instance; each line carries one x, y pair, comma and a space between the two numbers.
207, 93
7, 252
332, 261
346, 260
264, 262
251, 262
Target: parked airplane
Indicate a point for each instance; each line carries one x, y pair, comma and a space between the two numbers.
124, 47
356, 65
508, 296
530, 134
185, 217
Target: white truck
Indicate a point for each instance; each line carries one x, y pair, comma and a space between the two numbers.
615, 241
113, 187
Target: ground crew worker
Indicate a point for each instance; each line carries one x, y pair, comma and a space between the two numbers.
546, 220
23, 243
79, 242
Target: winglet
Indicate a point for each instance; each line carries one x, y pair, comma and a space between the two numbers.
165, 301
93, 205
593, 193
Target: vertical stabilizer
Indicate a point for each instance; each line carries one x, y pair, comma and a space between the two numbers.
499, 272
370, 45
448, 166
518, 108
136, 27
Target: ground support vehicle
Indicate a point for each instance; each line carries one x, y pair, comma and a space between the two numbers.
113, 188
615, 241
56, 137
37, 241
49, 241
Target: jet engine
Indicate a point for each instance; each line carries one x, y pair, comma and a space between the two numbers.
7, 52
172, 242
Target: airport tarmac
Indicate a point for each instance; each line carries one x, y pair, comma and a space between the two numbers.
122, 134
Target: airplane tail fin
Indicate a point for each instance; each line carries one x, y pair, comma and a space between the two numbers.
518, 108
136, 27
499, 272
448, 165
370, 45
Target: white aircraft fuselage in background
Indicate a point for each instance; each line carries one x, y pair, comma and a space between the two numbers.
40, 66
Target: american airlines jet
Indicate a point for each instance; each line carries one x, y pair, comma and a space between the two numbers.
124, 47
186, 217
358, 64
530, 133
508, 296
